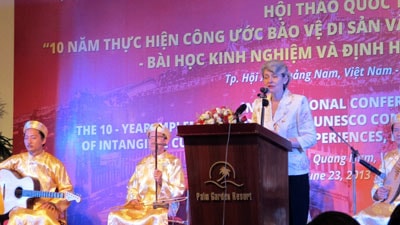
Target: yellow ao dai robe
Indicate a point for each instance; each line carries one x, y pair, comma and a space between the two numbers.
141, 186
52, 176
379, 212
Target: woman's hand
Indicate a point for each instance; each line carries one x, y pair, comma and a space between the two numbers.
295, 144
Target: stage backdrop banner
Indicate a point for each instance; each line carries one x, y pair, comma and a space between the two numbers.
99, 72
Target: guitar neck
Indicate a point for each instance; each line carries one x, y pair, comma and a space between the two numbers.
42, 194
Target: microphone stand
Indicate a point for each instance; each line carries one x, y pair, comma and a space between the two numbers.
354, 154
237, 117
264, 103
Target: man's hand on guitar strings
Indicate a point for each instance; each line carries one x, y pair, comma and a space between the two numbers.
49, 206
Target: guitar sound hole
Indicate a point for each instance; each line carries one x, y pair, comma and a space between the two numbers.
18, 192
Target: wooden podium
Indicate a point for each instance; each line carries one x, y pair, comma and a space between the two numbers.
241, 182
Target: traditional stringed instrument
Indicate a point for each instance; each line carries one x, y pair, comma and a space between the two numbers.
20, 191
393, 183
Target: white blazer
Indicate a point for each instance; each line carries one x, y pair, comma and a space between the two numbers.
292, 119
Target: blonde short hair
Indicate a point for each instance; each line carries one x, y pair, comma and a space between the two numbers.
279, 68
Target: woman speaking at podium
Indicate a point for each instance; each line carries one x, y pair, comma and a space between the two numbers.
288, 115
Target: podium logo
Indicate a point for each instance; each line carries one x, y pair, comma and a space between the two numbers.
221, 174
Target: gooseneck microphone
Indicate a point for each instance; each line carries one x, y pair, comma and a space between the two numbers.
354, 155
264, 102
372, 169
239, 111
361, 161
264, 91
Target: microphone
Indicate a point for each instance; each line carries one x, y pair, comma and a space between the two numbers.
372, 169
264, 102
264, 90
361, 161
241, 109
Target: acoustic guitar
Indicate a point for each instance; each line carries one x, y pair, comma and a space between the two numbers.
20, 191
